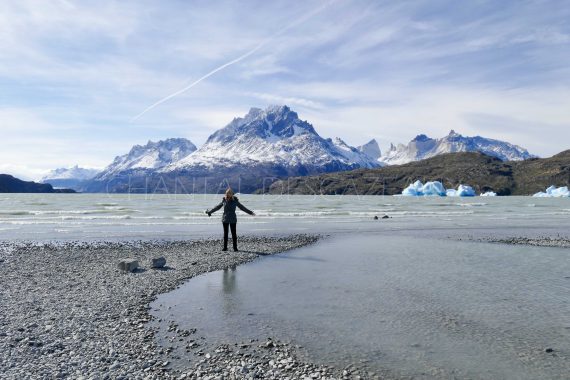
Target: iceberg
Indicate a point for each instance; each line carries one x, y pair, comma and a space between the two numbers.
553, 192
418, 189
465, 191
489, 194
462, 191
451, 193
435, 188
414, 190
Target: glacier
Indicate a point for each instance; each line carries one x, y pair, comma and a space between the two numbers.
554, 192
436, 188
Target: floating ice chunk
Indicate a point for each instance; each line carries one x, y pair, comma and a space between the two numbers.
418, 189
465, 191
414, 190
451, 193
433, 188
462, 191
489, 194
553, 192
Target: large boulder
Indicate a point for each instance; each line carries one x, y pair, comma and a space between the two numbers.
128, 265
159, 262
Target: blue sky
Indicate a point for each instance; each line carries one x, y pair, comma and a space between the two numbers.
74, 74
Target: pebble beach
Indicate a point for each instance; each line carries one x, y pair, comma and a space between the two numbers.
67, 311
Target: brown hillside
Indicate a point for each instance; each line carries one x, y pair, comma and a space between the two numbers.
482, 172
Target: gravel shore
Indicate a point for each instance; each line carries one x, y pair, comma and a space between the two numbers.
67, 311
546, 241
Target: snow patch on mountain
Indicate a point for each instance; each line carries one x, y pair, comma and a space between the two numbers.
422, 147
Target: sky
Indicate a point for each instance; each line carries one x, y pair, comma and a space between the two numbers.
75, 74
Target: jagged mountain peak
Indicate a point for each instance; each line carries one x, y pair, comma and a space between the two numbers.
277, 137
421, 138
274, 122
169, 143
371, 149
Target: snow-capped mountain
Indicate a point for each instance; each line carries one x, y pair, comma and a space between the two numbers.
74, 172
150, 157
371, 149
274, 137
69, 177
261, 146
422, 147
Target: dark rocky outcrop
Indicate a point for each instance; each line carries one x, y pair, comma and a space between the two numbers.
11, 184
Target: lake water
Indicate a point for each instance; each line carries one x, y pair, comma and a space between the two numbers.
124, 216
403, 306
409, 296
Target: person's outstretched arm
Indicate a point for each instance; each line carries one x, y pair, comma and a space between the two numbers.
244, 209
210, 212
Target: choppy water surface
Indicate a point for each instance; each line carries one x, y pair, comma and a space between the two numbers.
401, 305
104, 216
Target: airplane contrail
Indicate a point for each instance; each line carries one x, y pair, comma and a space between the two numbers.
236, 60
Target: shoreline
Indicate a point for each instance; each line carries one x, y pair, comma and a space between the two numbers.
66, 310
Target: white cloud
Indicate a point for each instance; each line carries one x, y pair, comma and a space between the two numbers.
288, 100
75, 73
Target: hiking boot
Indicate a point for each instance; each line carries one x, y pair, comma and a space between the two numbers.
225, 249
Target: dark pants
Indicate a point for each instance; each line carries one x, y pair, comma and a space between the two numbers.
232, 226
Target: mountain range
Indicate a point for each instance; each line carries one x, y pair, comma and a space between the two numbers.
422, 147
261, 147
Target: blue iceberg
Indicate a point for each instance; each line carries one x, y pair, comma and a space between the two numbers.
436, 188
462, 191
554, 192
418, 189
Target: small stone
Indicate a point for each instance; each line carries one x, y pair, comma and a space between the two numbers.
375, 217
549, 350
385, 217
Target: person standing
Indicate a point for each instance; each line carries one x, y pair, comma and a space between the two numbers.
229, 217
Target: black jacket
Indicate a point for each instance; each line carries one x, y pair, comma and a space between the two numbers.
229, 210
